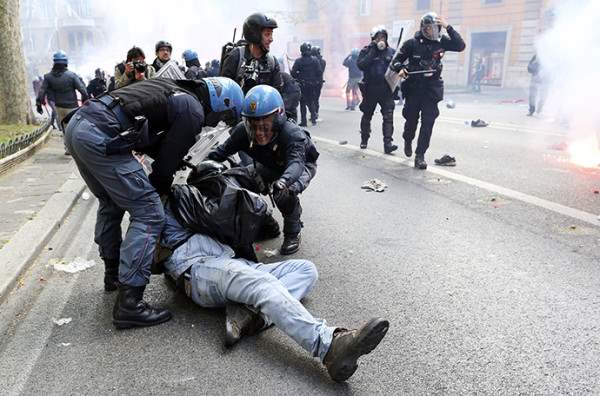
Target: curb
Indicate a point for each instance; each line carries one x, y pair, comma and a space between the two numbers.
28, 242
21, 155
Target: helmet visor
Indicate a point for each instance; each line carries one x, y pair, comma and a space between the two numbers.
260, 130
431, 31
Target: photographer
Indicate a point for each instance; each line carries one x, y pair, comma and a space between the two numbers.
133, 69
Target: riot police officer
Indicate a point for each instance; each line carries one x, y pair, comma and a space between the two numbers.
316, 52
425, 88
194, 70
307, 70
158, 117
251, 64
283, 155
374, 60
61, 86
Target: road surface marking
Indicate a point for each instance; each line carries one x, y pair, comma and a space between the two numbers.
517, 195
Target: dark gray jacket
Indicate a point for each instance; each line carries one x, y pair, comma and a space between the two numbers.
60, 85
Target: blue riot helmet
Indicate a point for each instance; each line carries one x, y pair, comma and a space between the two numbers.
189, 55
263, 113
354, 52
60, 57
226, 101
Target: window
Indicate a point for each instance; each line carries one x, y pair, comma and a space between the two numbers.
312, 12
72, 41
364, 7
423, 5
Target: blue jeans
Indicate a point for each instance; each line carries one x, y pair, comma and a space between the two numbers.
121, 185
275, 290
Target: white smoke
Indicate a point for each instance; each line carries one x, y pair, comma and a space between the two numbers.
203, 26
570, 55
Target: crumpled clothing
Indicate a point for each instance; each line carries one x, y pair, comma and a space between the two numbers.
374, 185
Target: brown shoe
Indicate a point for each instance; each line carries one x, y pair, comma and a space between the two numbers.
240, 321
347, 346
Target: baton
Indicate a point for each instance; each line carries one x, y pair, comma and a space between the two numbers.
421, 72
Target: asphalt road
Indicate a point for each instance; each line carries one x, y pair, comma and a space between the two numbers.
485, 294
515, 151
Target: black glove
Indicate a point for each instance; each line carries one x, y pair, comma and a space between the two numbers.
38, 108
279, 185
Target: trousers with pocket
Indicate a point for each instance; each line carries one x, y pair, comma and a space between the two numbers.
121, 185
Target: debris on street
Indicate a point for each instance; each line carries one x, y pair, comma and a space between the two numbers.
446, 160
374, 185
479, 123
450, 104
61, 321
343, 142
78, 264
85, 196
271, 253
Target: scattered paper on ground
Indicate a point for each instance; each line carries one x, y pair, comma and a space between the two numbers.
61, 321
374, 185
271, 253
79, 264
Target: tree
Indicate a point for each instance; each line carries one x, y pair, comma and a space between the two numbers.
15, 107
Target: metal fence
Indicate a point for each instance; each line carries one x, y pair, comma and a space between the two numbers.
23, 141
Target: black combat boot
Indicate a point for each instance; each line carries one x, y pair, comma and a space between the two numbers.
364, 140
408, 148
347, 346
240, 321
111, 274
302, 122
420, 162
291, 244
131, 311
389, 148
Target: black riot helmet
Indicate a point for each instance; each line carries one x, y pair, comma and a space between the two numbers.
163, 44
253, 26
305, 49
430, 27
316, 51
380, 29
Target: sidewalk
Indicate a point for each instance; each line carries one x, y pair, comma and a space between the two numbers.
35, 198
25, 189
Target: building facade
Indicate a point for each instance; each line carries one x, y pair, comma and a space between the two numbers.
499, 33
74, 26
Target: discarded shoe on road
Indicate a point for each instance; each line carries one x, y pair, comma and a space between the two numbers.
446, 160
479, 124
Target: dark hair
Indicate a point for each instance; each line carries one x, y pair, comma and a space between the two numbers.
135, 52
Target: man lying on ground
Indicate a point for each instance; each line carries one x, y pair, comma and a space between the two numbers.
270, 294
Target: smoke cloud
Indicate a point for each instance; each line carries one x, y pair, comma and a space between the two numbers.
201, 26
570, 54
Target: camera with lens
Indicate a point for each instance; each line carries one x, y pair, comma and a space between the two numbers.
140, 66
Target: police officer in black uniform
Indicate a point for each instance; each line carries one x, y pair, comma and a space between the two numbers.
424, 89
282, 153
97, 85
374, 60
307, 70
316, 51
251, 64
158, 117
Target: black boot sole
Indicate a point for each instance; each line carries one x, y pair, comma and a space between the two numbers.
370, 336
128, 324
288, 252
